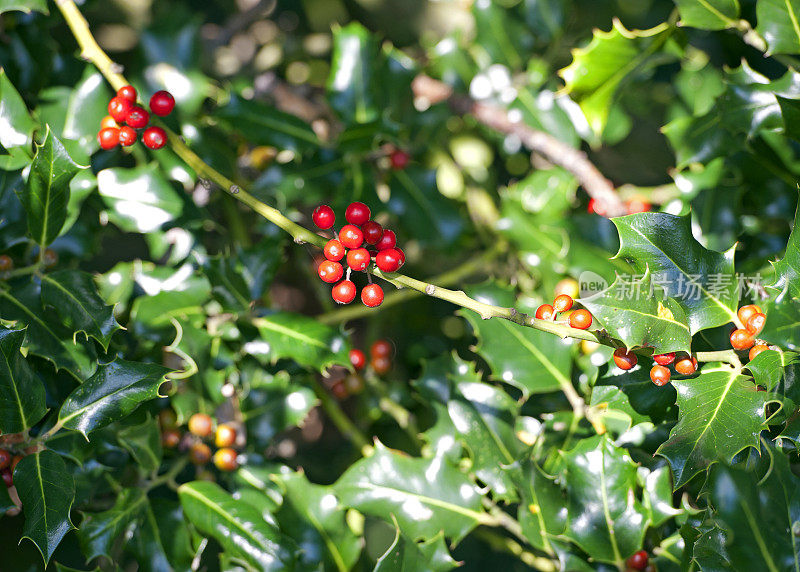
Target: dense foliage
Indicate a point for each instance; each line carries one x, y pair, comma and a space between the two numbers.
141, 287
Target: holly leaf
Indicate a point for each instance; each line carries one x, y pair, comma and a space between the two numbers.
709, 14
75, 299
265, 125
140, 199
778, 25
22, 396
721, 413
787, 269
405, 555
351, 81
604, 517
313, 513
46, 491
227, 283
658, 496
112, 393
46, 193
303, 339
88, 104
597, 71
531, 360
425, 495
633, 311
769, 367
17, 123
143, 442
701, 281
99, 531
237, 526
26, 6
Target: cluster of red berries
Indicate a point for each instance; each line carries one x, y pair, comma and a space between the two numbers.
580, 319
632, 206
358, 243
7, 464
201, 426
660, 373
7, 263
381, 363
754, 321
125, 117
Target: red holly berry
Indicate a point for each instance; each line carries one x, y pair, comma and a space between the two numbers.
381, 365
742, 340
107, 122
8, 479
402, 255
6, 263
201, 424
596, 208
200, 454
330, 271
162, 103
388, 260
127, 92
5, 456
118, 108
580, 319
154, 137
746, 312
686, 365
624, 359
381, 348
357, 213
660, 375
388, 240
637, 561
339, 390
372, 232
562, 303
323, 217
358, 259
127, 136
344, 292
358, 359
372, 295
334, 250
757, 349
664, 359
108, 138
351, 236
170, 438
755, 323
545, 312
399, 159
137, 117
637, 205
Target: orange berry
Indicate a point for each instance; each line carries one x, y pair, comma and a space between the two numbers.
545, 312
381, 365
745, 312
742, 340
200, 454
580, 319
664, 359
381, 348
5, 459
660, 375
568, 286
108, 122
339, 390
755, 323
757, 349
225, 459
562, 303
225, 436
170, 438
624, 359
201, 424
686, 365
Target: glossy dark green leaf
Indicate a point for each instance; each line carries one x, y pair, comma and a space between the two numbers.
604, 518
46, 490
542, 509
700, 139
531, 360
100, 531
46, 193
22, 398
721, 413
140, 199
74, 297
425, 495
227, 284
313, 516
658, 496
143, 442
263, 124
596, 71
351, 84
24, 6
633, 311
46, 337
17, 124
758, 517
237, 526
405, 555
170, 294
750, 103
630, 398
303, 339
769, 366
275, 407
778, 25
701, 281
112, 393
152, 537
790, 111
709, 14
484, 417
87, 105
787, 269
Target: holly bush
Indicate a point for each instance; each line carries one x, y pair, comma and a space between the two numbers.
586, 196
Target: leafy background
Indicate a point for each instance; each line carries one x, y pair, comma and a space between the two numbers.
478, 455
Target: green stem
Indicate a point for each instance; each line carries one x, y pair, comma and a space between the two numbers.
502, 543
342, 422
